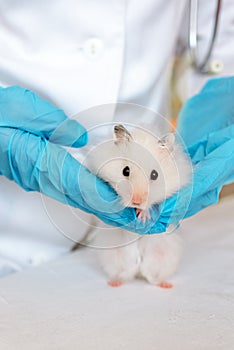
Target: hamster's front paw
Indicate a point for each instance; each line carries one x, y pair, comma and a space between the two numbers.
115, 283
143, 215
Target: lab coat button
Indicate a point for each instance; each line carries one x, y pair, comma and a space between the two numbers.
93, 48
216, 66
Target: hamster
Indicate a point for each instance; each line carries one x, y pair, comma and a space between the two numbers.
143, 170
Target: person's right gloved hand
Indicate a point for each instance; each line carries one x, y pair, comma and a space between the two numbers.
32, 132
206, 125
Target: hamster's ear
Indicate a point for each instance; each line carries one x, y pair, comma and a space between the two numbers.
167, 142
121, 134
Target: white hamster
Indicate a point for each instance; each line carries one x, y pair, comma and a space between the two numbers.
143, 170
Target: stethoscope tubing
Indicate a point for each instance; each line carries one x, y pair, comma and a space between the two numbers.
202, 66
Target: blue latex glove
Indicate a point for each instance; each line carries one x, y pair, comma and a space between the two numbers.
31, 134
206, 124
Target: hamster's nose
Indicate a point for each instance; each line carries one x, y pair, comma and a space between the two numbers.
139, 198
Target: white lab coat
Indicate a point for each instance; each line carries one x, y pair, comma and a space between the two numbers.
79, 54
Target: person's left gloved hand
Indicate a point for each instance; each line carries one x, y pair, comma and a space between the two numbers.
206, 125
32, 132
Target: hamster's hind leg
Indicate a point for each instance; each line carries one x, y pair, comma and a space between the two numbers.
120, 257
160, 257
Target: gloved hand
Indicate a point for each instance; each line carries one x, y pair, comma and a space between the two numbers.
206, 124
31, 134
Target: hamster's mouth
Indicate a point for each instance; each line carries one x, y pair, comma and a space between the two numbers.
138, 207
141, 206
144, 205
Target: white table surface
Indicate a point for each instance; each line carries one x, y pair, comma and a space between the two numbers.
67, 304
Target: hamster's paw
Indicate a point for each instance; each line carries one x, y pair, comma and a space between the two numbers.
166, 285
143, 215
115, 283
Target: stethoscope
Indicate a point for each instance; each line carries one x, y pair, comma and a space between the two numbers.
204, 66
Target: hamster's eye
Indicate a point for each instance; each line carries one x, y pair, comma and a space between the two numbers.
126, 171
154, 175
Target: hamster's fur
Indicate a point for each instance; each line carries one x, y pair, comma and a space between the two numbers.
143, 170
